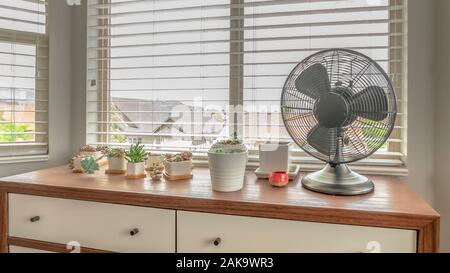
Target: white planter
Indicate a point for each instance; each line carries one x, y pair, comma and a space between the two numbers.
135, 169
274, 157
117, 163
152, 159
227, 171
178, 168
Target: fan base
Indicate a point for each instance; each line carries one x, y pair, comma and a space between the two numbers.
339, 180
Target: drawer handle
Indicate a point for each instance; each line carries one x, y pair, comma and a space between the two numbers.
35, 219
217, 241
134, 231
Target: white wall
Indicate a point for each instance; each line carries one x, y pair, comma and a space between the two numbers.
421, 35
60, 92
442, 120
78, 109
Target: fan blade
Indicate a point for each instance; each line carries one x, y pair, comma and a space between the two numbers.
323, 140
313, 82
371, 103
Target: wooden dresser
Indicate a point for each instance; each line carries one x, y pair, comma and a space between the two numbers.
43, 211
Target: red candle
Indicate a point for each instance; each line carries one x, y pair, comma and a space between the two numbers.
279, 179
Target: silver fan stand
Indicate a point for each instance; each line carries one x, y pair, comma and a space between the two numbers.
338, 180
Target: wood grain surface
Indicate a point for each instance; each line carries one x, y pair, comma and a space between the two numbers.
393, 204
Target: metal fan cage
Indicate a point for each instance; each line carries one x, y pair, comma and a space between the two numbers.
367, 87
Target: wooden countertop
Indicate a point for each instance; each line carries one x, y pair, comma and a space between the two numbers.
393, 204
392, 197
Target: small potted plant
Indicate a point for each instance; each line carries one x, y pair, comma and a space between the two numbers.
152, 159
156, 170
227, 164
178, 166
90, 165
98, 153
136, 161
88, 150
117, 164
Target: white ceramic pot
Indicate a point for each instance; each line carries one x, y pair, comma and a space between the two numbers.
117, 163
178, 168
152, 159
227, 171
135, 169
274, 157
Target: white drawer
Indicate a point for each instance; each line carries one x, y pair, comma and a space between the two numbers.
94, 225
198, 231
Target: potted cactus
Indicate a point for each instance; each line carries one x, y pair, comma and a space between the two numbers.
178, 165
117, 164
227, 164
136, 157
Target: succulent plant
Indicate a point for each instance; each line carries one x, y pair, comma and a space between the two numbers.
136, 154
116, 153
104, 149
91, 149
89, 165
88, 148
229, 146
156, 170
184, 156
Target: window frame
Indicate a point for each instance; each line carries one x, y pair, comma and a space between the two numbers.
41, 98
393, 161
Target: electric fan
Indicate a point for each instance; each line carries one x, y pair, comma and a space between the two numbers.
339, 106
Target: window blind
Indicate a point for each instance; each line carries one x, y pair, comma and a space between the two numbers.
178, 74
23, 79
158, 73
280, 34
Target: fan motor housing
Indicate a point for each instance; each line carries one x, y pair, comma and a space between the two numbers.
332, 110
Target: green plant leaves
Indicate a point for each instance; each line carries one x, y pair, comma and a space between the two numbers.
89, 165
136, 154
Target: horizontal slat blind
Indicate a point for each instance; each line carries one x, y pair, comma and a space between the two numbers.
280, 34
158, 73
23, 15
166, 72
23, 79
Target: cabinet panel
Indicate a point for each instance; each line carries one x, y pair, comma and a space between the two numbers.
94, 225
197, 232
